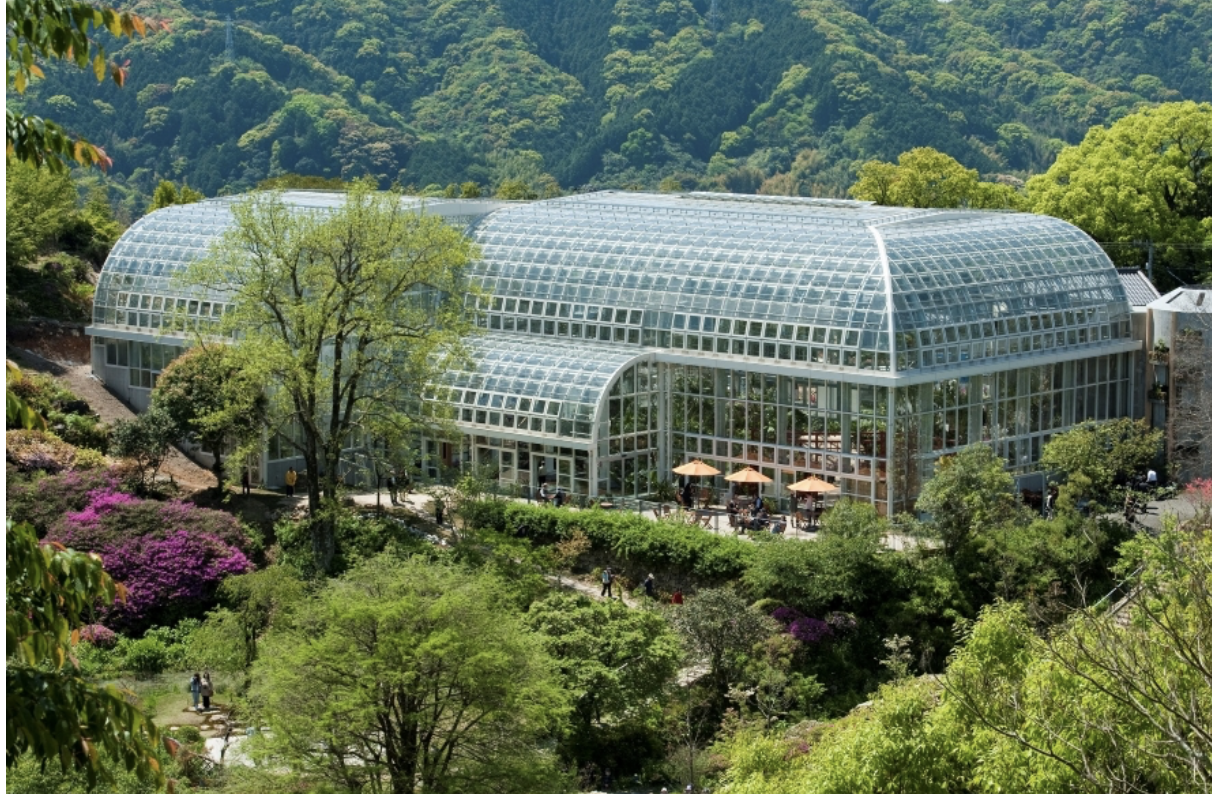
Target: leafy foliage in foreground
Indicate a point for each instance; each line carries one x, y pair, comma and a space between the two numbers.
420, 672
52, 712
1113, 699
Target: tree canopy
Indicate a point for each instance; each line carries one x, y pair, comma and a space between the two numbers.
1146, 179
787, 98
413, 671
211, 398
970, 492
1094, 456
924, 178
348, 315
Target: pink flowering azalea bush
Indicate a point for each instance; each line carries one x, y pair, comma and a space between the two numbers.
810, 630
170, 555
98, 635
44, 501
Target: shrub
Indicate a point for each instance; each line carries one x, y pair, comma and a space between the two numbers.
189, 734
146, 656
35, 450
44, 501
111, 516
81, 430
170, 555
651, 545
98, 635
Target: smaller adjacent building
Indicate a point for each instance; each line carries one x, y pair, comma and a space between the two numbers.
1180, 377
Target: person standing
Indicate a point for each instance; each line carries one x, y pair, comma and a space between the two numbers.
245, 483
559, 497
207, 690
438, 507
392, 490
650, 586
677, 597
195, 689
607, 583
292, 477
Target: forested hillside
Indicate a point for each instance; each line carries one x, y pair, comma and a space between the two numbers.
781, 96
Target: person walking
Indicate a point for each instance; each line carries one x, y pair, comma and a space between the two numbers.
245, 483
207, 690
392, 489
195, 689
607, 583
650, 586
292, 477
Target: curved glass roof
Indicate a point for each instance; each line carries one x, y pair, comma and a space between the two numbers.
136, 285
553, 387
828, 282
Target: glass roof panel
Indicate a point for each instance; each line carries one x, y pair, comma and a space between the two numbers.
574, 375
161, 245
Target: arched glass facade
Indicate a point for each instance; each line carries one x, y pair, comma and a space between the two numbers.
627, 332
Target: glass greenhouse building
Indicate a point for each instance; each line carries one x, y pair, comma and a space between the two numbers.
626, 333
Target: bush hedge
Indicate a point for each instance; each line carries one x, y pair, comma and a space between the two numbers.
637, 541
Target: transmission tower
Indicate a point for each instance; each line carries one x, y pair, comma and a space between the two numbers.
712, 17
229, 51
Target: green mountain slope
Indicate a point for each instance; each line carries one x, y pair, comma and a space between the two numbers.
784, 96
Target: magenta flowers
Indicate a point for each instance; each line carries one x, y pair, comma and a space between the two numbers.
170, 555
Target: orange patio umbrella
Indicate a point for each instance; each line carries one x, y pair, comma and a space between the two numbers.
696, 468
812, 484
749, 475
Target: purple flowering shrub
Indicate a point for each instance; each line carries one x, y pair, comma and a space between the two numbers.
170, 555
809, 630
110, 517
98, 635
44, 501
168, 578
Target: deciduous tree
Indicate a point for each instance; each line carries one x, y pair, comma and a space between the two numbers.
1148, 177
721, 629
212, 398
416, 673
1103, 453
614, 659
970, 492
346, 315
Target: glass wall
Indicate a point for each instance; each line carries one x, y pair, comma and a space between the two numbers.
1016, 411
630, 432
785, 426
